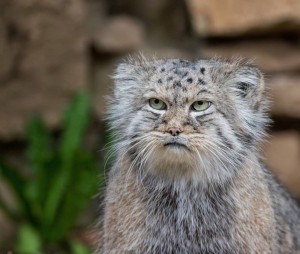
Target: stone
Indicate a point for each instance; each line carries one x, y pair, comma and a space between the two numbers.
234, 17
285, 95
42, 60
282, 157
118, 35
102, 84
270, 55
163, 19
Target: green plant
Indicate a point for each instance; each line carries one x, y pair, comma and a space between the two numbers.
63, 177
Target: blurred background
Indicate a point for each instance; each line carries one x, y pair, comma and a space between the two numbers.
56, 59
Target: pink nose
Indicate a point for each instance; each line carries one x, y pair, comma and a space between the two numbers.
174, 131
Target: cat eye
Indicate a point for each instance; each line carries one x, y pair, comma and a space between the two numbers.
157, 104
200, 105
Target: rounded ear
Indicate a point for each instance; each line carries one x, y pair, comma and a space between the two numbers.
130, 73
249, 84
125, 76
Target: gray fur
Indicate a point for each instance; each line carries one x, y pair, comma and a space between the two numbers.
214, 195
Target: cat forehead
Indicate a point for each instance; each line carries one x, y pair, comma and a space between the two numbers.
184, 75
192, 72
181, 68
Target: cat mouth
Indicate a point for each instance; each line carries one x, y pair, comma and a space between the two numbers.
176, 145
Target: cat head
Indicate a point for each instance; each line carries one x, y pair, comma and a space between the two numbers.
188, 120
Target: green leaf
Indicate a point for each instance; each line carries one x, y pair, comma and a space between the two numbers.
75, 123
29, 241
79, 248
39, 155
18, 185
84, 184
38, 150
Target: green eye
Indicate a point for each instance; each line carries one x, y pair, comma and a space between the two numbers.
157, 104
201, 105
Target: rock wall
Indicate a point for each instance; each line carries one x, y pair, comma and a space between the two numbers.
43, 60
233, 17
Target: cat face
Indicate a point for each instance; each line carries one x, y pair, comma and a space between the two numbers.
188, 120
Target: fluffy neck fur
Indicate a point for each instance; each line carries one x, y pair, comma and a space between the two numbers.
184, 217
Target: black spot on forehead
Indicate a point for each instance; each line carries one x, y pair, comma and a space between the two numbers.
170, 78
179, 72
201, 81
162, 69
185, 63
184, 74
189, 80
176, 84
176, 71
202, 70
159, 81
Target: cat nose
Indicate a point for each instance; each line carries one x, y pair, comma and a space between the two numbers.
174, 131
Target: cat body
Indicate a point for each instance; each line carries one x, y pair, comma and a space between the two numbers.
188, 176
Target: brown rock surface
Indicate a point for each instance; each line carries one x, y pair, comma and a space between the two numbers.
162, 18
269, 55
285, 94
118, 35
283, 157
233, 17
42, 60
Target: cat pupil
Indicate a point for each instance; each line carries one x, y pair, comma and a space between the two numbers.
200, 103
156, 101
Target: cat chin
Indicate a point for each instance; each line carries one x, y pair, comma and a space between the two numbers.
172, 163
183, 165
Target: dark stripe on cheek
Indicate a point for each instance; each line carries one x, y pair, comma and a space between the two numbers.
224, 114
151, 118
153, 113
134, 136
202, 122
224, 139
132, 152
202, 117
246, 139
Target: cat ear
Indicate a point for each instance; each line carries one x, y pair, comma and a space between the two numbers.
126, 78
249, 84
131, 72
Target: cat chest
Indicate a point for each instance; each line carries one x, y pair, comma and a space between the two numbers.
179, 224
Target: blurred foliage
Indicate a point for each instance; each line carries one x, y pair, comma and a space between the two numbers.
63, 178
